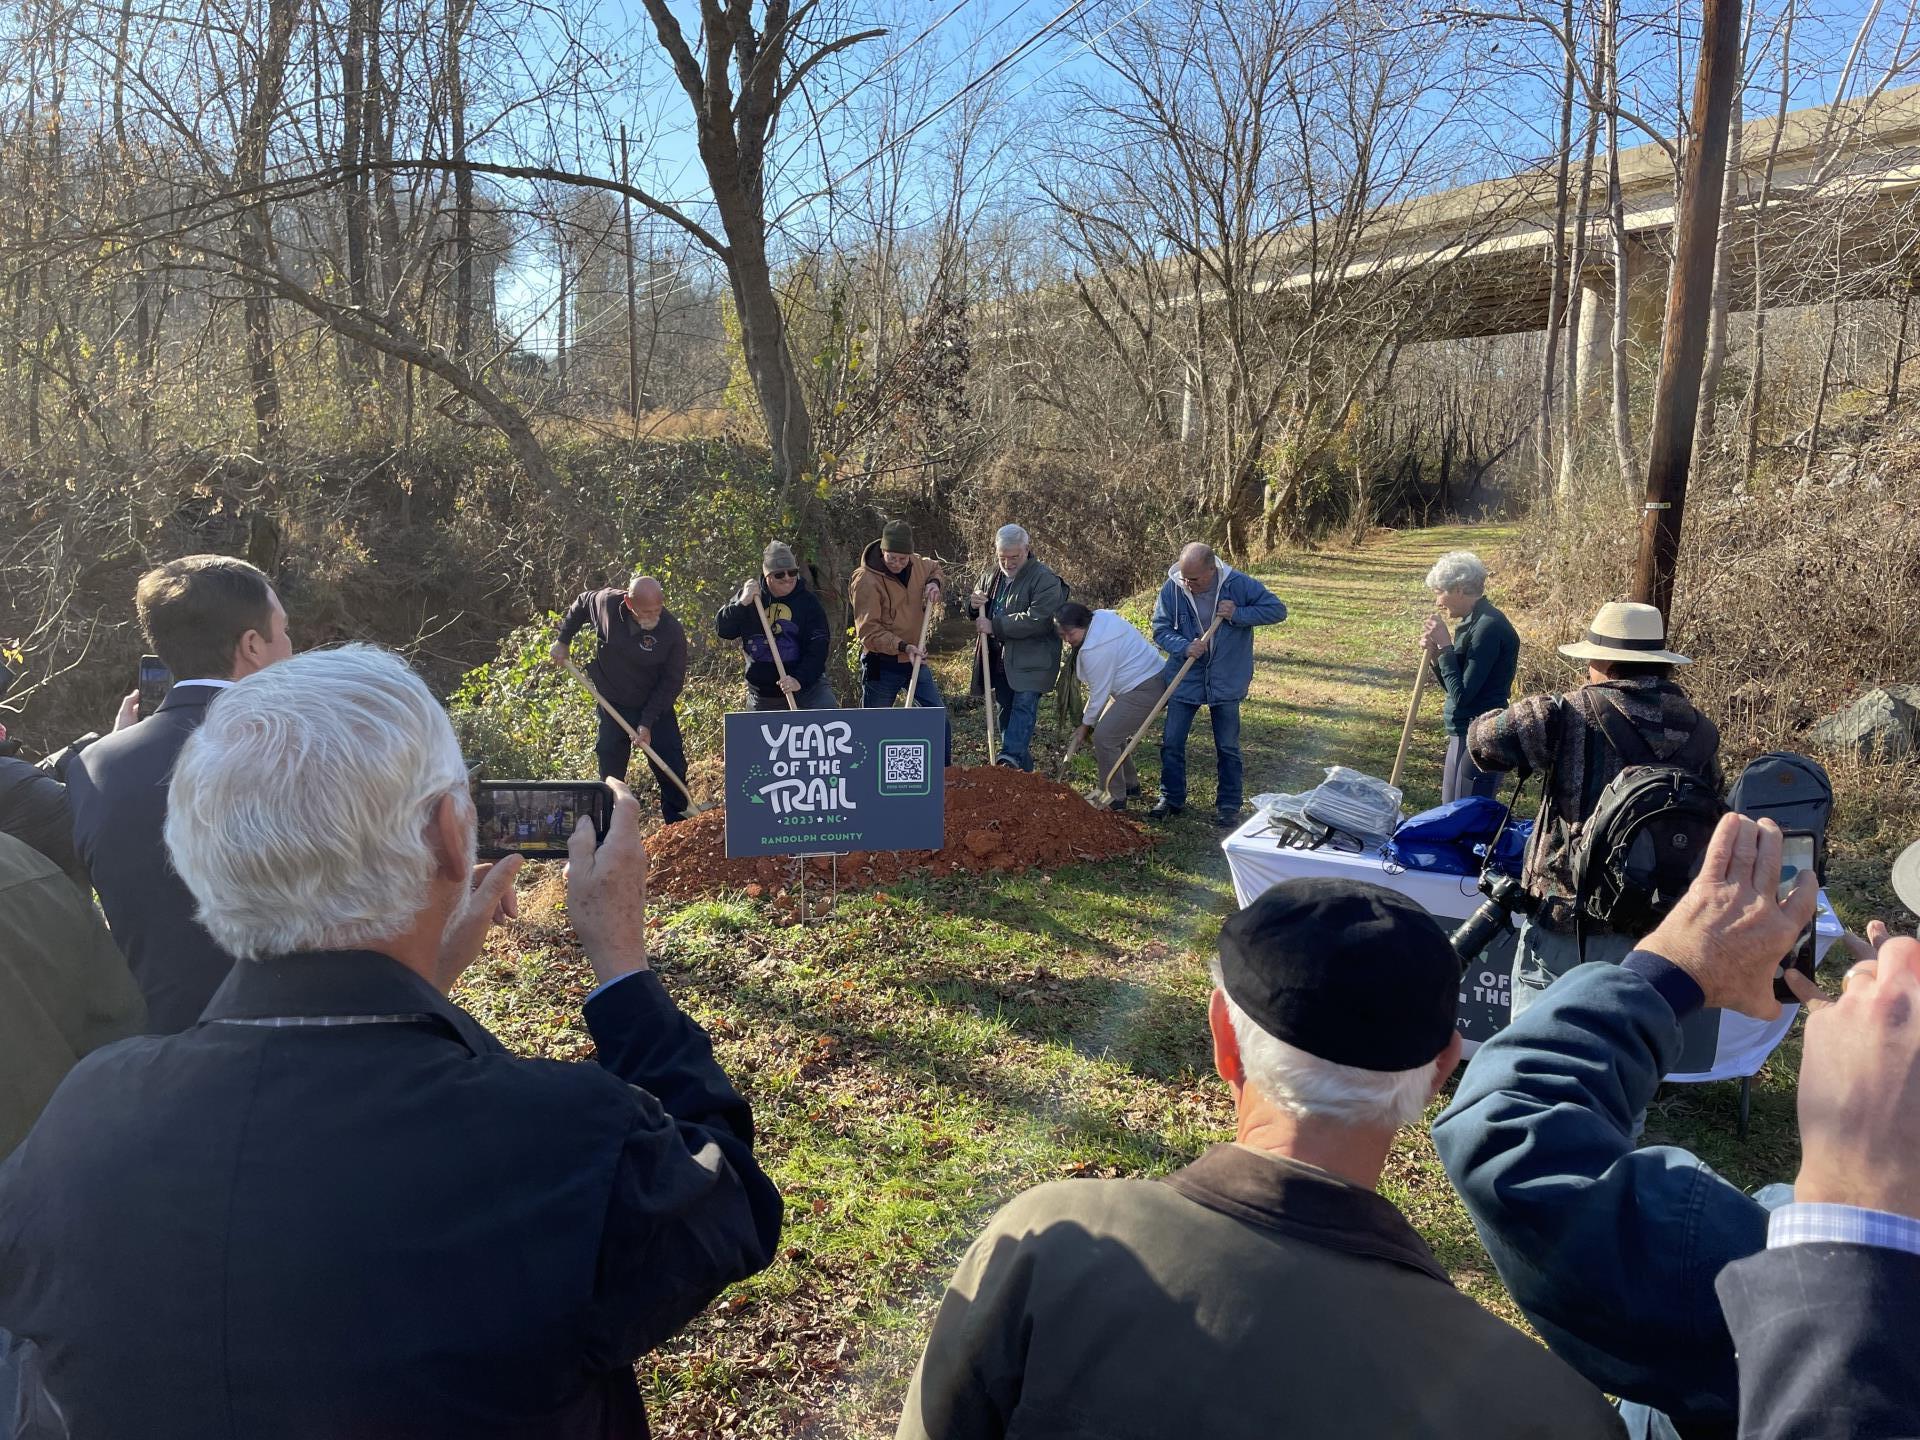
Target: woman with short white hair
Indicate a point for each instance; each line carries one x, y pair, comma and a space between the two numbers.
1474, 662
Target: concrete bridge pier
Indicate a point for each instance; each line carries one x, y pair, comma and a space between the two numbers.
1646, 319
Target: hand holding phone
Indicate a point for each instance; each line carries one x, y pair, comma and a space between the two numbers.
1797, 858
535, 818
155, 681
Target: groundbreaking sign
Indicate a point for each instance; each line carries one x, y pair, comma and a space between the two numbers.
817, 782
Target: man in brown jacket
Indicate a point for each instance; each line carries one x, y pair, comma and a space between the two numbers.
892, 592
1266, 1289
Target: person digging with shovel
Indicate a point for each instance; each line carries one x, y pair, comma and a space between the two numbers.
1117, 664
893, 594
1200, 587
782, 630
640, 668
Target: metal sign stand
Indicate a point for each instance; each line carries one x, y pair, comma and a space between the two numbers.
801, 862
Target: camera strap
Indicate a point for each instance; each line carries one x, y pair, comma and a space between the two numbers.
1493, 845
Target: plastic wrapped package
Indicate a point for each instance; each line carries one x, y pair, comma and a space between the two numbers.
1354, 802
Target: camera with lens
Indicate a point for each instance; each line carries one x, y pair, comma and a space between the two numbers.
1506, 897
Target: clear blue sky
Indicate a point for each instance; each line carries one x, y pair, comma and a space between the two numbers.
1525, 107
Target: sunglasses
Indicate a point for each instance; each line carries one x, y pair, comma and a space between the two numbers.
783, 574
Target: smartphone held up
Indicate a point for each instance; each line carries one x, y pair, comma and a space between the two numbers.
536, 818
155, 681
1796, 858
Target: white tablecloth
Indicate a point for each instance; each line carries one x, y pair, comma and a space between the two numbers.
1257, 860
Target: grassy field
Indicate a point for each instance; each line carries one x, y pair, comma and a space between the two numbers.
916, 1057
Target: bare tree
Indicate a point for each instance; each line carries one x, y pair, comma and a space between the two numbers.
737, 86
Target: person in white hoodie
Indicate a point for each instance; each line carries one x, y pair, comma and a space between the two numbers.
1123, 674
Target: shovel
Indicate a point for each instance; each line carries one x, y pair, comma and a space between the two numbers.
1073, 745
913, 680
1406, 730
773, 649
1103, 797
986, 691
651, 754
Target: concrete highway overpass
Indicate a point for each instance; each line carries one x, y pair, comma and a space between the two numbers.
1841, 213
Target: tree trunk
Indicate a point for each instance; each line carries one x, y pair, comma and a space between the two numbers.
776, 381
1716, 357
633, 302
1899, 349
1572, 419
1820, 395
563, 255
1757, 375
1623, 392
457, 13
254, 240
1557, 299
1625, 456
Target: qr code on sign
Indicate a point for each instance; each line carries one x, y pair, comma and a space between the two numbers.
903, 765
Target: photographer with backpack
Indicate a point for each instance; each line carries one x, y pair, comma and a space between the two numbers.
1631, 782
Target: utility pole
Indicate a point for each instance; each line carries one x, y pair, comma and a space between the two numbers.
633, 324
1676, 401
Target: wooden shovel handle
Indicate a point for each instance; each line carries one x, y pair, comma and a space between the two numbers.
1106, 785
986, 691
773, 649
1406, 730
632, 734
913, 680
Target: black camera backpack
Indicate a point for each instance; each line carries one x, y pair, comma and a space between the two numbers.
1646, 836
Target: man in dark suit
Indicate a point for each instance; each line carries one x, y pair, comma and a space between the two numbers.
213, 620
1826, 1319
338, 1206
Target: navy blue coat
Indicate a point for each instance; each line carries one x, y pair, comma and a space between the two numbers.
1225, 673
1611, 1251
1477, 669
392, 1231
118, 786
1826, 1338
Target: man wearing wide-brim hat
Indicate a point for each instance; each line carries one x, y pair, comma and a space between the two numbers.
1561, 738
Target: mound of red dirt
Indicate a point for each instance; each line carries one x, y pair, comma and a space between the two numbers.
997, 819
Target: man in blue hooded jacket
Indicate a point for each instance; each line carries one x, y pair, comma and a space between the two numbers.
1200, 588
1612, 1251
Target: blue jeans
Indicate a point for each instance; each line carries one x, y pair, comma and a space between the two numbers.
1226, 744
881, 690
1019, 713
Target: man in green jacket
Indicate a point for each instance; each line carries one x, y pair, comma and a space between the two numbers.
65, 989
1267, 1289
1013, 608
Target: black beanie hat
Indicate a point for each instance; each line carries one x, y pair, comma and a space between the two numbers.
897, 537
1351, 972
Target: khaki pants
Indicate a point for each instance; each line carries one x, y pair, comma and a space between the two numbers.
1123, 716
